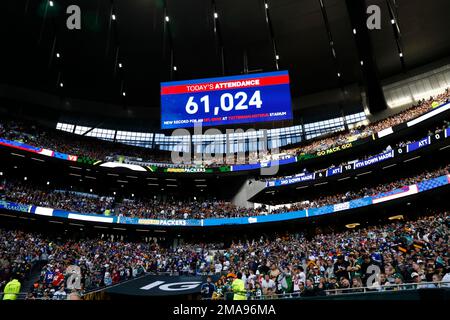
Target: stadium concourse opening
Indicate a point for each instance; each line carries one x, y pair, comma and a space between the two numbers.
275, 153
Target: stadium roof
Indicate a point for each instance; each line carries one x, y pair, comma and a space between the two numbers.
149, 38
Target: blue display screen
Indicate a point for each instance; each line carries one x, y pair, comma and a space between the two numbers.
250, 98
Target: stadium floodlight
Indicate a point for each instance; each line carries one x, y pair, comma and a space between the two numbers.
397, 217
48, 182
354, 31
1, 173
216, 15
174, 68
167, 19
114, 193
113, 16
362, 62
338, 74
90, 190
61, 84
267, 6
277, 57
401, 54
58, 55
50, 3
120, 65
132, 195
124, 93
393, 21
25, 178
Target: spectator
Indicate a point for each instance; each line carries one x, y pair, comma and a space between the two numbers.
238, 288
208, 288
11, 290
268, 286
309, 290
60, 294
340, 267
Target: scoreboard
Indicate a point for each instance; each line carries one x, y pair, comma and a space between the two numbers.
257, 97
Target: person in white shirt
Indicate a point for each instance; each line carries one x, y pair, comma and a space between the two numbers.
268, 286
446, 279
251, 279
60, 294
218, 267
297, 279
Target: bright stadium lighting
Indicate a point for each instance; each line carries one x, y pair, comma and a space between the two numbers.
174, 68
25, 178
50, 3
393, 21
338, 74
124, 93
216, 15
120, 65
277, 57
267, 6
90, 190
167, 19
58, 55
401, 54
61, 84
362, 62
113, 16
354, 31
1, 173
132, 194
48, 182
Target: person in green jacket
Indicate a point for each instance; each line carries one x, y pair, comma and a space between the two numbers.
238, 288
11, 290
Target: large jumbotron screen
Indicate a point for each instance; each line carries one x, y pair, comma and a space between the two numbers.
257, 97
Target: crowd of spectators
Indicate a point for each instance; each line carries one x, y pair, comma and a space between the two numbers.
177, 209
22, 192
85, 146
70, 143
367, 191
401, 144
155, 208
404, 251
91, 263
339, 138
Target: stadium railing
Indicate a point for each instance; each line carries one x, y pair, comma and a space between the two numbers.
351, 291
297, 295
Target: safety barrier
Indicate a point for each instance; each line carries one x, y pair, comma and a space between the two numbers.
352, 291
